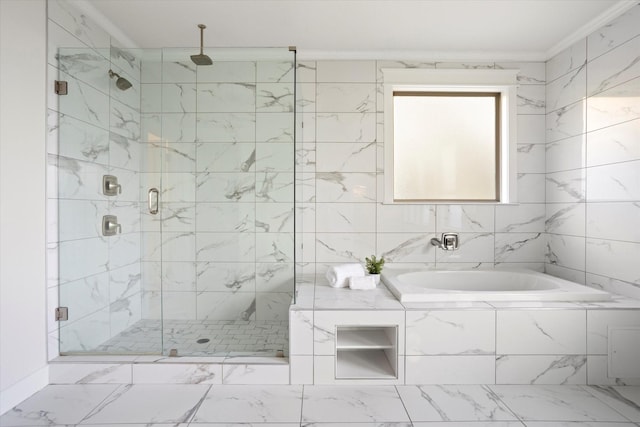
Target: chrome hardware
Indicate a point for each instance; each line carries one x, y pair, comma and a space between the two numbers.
153, 201
62, 313
448, 241
110, 186
110, 226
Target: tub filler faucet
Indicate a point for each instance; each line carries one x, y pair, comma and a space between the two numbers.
448, 241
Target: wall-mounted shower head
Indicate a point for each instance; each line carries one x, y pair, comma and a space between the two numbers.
201, 58
121, 82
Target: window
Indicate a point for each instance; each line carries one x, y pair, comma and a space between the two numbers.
450, 136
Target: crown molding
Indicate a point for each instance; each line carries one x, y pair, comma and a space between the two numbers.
420, 56
604, 18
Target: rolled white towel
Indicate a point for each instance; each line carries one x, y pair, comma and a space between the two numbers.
362, 283
338, 275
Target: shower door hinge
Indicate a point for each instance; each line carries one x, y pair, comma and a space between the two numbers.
61, 87
62, 313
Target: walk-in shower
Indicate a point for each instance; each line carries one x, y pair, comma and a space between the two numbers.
197, 254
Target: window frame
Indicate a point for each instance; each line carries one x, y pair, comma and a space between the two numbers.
502, 82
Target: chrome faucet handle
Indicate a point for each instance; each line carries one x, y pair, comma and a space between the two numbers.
448, 241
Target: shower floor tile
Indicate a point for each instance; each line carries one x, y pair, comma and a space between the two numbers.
202, 338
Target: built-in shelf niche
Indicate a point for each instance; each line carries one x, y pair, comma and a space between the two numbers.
366, 352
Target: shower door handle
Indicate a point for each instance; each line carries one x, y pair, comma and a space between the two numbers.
153, 201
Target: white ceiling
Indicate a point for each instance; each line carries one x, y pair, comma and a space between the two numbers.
439, 29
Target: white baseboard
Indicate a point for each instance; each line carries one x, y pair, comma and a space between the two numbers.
23, 389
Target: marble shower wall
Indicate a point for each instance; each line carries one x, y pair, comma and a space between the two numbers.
593, 158
218, 144
340, 158
92, 131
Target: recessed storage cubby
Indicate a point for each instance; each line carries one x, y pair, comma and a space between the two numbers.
366, 352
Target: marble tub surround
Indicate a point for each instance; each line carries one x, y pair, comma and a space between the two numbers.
291, 405
483, 342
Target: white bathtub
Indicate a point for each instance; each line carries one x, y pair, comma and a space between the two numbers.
485, 285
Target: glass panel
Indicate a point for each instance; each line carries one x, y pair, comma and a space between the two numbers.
445, 146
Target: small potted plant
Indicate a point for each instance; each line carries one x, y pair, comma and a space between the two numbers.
374, 267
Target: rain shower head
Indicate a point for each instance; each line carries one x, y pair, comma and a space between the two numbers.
201, 58
121, 82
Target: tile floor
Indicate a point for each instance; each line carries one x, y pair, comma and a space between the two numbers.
225, 337
290, 405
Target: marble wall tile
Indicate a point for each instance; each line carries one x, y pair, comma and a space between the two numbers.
405, 247
573, 57
465, 218
566, 121
346, 217
178, 305
566, 251
617, 182
225, 157
277, 217
86, 65
346, 157
82, 258
178, 71
618, 143
450, 370
178, 276
124, 152
301, 369
531, 99
345, 97
306, 72
255, 374
540, 332
616, 32
346, 127
225, 217
616, 66
275, 71
529, 73
179, 98
225, 247
598, 323
531, 128
275, 187
301, 332
565, 218
93, 373
226, 97
87, 334
273, 305
519, 247
597, 373
274, 97
274, 127
531, 188
566, 186
514, 369
343, 247
84, 102
473, 247
85, 296
616, 105
81, 26
225, 127
182, 127
450, 332
346, 71
151, 97
274, 247
531, 158
79, 219
278, 157
567, 89
345, 187
615, 221
406, 218
225, 187
228, 72
174, 373
520, 218
226, 277
613, 259
566, 154
612, 285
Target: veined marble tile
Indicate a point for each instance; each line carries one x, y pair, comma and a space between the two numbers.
450, 369
225, 217
530, 73
84, 102
274, 157
400, 64
345, 187
615, 221
473, 247
274, 127
450, 332
346, 157
616, 105
513, 369
346, 127
301, 369
178, 246
566, 121
178, 71
275, 187
540, 332
151, 66
599, 322
531, 128
597, 373
614, 144
255, 374
568, 186
89, 373
85, 334
154, 373
179, 98
85, 296
82, 258
301, 332
141, 403
345, 97
275, 217
346, 71
345, 217
566, 251
625, 400
575, 56
181, 127
306, 71
178, 217
225, 247
531, 188
226, 277
80, 219
616, 32
77, 23
566, 154
453, 403
531, 99
175, 305
520, 218
227, 72
306, 187
617, 182
555, 403
124, 120
178, 276
78, 179
251, 404
531, 158
124, 152
613, 259
274, 277
226, 97
86, 65
170, 157
274, 247
519, 247
274, 306
274, 97
328, 298
58, 405
565, 273
225, 157
567, 89
225, 127
305, 97
614, 67
275, 71
225, 187
476, 424
465, 218
151, 127
565, 218
406, 218
124, 313
405, 247
466, 65
352, 404
151, 98
124, 282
